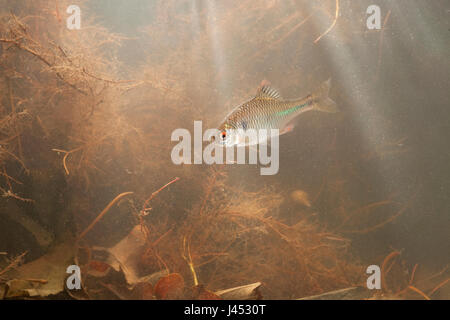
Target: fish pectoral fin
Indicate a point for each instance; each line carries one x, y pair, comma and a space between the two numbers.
287, 128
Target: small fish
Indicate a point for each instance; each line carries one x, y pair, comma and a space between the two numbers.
267, 110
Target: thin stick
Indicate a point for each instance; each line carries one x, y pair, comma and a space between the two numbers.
106, 80
13, 112
392, 218
412, 274
111, 288
322, 187
419, 292
332, 25
364, 208
161, 261
103, 213
144, 211
41, 281
434, 275
37, 55
383, 266
439, 286
10, 194
286, 21
64, 162
17, 158
189, 260
8, 177
155, 243
298, 25
144, 207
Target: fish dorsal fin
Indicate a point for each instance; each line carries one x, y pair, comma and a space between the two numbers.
266, 91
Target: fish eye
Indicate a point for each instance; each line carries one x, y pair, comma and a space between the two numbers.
223, 134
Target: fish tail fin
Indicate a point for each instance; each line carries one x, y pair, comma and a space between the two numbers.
321, 100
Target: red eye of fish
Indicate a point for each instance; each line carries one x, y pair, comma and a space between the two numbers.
224, 134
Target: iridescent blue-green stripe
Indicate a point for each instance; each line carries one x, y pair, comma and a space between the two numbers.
293, 109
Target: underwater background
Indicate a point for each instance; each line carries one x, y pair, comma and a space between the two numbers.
86, 176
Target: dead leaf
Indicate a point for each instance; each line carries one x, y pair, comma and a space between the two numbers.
201, 293
126, 255
144, 291
51, 267
98, 268
169, 287
247, 292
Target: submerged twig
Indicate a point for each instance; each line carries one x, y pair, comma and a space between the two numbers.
16, 158
104, 211
14, 263
65, 156
10, 194
13, 112
411, 280
144, 207
41, 281
293, 29
388, 220
8, 177
332, 25
419, 292
384, 265
112, 289
439, 286
364, 208
45, 61
189, 260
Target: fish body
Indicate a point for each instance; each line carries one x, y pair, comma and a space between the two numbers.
267, 110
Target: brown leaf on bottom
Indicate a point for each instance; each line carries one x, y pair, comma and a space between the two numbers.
169, 287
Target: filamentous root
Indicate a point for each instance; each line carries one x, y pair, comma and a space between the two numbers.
104, 211
332, 25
